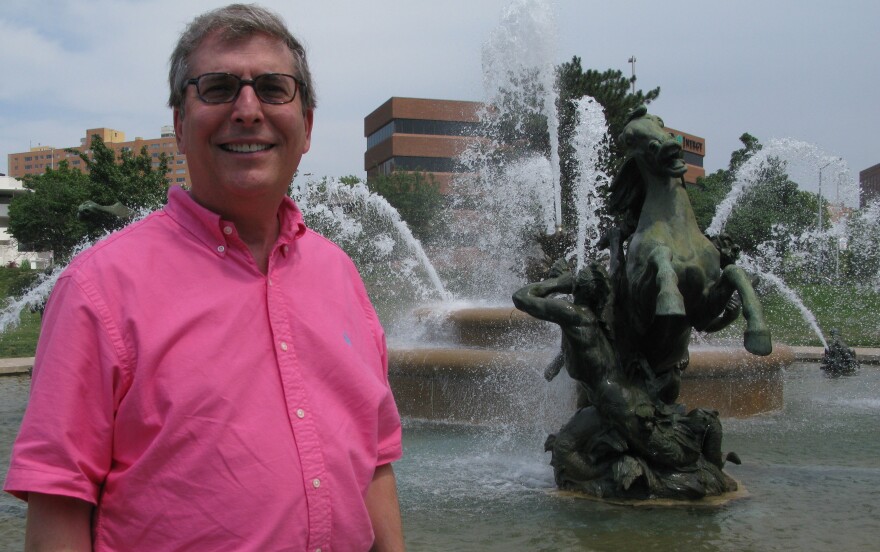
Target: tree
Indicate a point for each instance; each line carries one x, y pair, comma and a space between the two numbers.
712, 189
770, 200
614, 92
132, 181
47, 219
417, 197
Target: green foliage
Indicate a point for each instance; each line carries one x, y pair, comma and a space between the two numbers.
614, 92
131, 181
15, 280
47, 219
707, 194
417, 198
773, 199
770, 199
610, 88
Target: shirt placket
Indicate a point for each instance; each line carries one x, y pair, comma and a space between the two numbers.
300, 412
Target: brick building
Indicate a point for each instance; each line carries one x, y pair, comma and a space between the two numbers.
416, 134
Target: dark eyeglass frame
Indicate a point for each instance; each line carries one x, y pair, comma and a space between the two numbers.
243, 82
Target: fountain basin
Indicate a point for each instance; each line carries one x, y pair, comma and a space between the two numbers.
483, 386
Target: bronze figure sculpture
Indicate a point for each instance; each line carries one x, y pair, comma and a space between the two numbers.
626, 333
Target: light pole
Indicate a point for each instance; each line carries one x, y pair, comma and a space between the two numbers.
820, 192
632, 61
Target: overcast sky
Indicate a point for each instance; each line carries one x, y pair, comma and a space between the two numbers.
803, 69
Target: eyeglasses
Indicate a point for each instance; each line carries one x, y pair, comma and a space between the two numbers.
271, 88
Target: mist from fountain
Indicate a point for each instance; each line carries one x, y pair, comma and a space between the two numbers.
366, 226
752, 266
803, 163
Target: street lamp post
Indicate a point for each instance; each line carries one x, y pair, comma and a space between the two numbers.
820, 192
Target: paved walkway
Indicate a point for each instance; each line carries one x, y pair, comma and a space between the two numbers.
866, 355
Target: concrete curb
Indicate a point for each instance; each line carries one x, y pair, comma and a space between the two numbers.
13, 366
866, 355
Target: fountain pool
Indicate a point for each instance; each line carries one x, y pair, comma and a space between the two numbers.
811, 471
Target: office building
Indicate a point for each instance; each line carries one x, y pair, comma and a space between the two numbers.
415, 134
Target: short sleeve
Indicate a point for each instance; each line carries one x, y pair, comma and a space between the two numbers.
390, 446
64, 446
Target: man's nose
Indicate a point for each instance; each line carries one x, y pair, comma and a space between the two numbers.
247, 107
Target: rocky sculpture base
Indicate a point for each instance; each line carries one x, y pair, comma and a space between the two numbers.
591, 457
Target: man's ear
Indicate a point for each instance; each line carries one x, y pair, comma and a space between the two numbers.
178, 129
308, 122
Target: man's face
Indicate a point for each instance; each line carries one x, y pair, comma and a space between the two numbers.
246, 150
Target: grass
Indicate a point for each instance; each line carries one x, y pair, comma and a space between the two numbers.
855, 312
22, 340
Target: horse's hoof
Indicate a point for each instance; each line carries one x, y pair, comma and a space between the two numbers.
669, 304
758, 342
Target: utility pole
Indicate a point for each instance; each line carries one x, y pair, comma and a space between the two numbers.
632, 62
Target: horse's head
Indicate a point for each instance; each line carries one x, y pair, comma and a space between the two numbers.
650, 151
647, 144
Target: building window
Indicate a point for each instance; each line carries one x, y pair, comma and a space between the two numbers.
692, 158
423, 126
426, 164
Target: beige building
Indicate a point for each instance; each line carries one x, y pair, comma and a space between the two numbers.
39, 158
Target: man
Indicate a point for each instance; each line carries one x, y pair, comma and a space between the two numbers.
214, 377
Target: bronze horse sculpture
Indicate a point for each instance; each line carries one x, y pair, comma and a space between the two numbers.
625, 334
672, 278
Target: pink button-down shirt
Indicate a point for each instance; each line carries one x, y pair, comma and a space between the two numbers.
202, 405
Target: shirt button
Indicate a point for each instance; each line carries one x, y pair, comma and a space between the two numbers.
227, 230
300, 413
316, 482
285, 249
220, 249
283, 345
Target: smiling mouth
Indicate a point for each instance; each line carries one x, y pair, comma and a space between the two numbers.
246, 148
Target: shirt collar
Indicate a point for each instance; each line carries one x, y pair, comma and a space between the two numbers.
207, 226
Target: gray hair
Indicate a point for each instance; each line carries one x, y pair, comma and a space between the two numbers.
235, 21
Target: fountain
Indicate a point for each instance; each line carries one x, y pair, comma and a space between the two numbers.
473, 475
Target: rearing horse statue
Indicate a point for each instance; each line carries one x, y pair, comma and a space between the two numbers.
625, 335
674, 279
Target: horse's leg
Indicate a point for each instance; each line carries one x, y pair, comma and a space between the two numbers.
757, 336
669, 299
